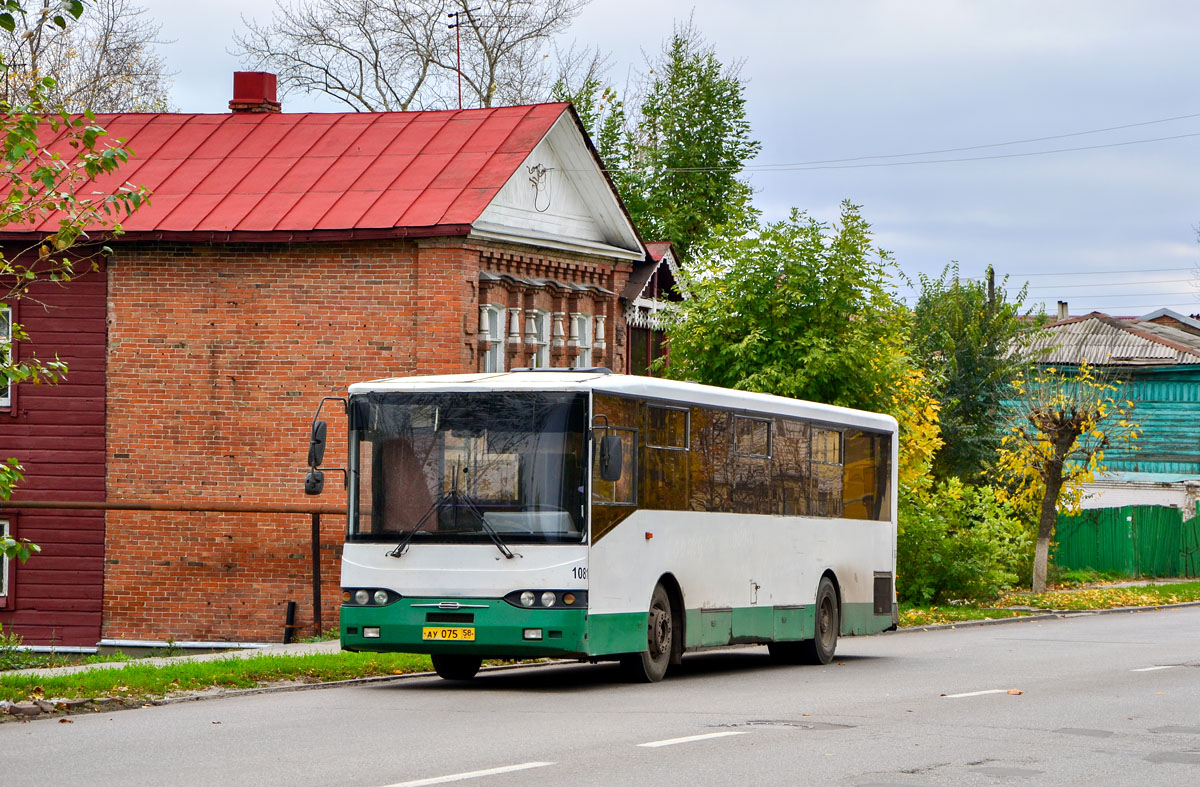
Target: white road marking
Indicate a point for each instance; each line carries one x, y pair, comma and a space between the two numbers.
976, 693
690, 738
458, 777
1152, 669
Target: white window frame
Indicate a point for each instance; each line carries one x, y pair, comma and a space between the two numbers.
493, 319
4, 570
6, 346
581, 333
540, 339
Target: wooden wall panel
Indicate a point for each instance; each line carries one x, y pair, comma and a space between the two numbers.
57, 433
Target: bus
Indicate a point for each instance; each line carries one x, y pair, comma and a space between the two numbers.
582, 514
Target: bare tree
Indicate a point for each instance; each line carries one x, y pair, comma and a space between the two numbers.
108, 62
387, 55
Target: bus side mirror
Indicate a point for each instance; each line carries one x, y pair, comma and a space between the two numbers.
314, 482
610, 457
316, 448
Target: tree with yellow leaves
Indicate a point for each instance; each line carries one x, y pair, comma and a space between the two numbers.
1063, 421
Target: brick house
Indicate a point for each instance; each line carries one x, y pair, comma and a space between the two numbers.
283, 257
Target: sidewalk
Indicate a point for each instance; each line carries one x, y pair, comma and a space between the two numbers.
292, 649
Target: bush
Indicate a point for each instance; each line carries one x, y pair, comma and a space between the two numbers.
959, 542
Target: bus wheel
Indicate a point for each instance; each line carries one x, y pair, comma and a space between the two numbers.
456, 666
650, 665
819, 649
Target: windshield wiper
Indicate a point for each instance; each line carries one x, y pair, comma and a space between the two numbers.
458, 500
403, 545
470, 504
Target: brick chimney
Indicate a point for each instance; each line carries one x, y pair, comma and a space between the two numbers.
254, 91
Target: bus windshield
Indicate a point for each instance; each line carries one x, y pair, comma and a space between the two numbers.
464, 467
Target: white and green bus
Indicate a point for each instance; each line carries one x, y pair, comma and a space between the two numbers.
589, 515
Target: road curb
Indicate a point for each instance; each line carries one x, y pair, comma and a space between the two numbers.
336, 683
98, 704
1053, 614
92, 705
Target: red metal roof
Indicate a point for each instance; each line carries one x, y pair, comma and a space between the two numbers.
387, 173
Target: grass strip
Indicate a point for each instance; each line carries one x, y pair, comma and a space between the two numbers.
915, 617
1105, 597
142, 681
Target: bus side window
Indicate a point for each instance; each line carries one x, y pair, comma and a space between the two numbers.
866, 473
752, 465
624, 490
708, 461
791, 478
827, 472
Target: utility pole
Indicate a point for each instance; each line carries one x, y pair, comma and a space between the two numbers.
458, 41
991, 285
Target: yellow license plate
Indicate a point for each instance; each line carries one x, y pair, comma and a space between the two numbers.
448, 634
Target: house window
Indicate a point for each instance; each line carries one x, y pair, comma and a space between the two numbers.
581, 335
5, 350
491, 335
3, 563
537, 335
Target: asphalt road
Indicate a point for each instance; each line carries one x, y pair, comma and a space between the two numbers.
1106, 699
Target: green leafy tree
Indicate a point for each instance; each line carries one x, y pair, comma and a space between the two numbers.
1063, 421
676, 151
600, 110
799, 308
963, 336
36, 183
681, 171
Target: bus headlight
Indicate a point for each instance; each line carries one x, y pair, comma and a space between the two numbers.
381, 597
548, 599
361, 597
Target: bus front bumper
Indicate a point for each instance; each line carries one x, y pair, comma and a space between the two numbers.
487, 627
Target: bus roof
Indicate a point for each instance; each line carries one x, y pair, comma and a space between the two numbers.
669, 391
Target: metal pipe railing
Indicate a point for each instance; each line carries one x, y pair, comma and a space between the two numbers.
208, 508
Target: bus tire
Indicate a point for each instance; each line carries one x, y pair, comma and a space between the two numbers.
819, 649
455, 666
650, 666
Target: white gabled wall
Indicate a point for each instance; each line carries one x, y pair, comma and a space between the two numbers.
559, 197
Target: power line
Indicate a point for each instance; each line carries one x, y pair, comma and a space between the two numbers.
1110, 284
990, 145
1027, 154
1077, 273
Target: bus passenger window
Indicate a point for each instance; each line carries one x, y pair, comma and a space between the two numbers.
827, 472
667, 427
790, 472
708, 461
865, 476
751, 436
624, 490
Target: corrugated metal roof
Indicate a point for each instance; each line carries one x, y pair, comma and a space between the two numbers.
1107, 341
297, 173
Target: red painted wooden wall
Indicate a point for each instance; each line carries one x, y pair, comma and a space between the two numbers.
57, 433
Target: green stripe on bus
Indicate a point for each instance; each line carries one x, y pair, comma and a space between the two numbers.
499, 629
626, 632
861, 619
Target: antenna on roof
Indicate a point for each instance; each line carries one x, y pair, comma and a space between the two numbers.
458, 42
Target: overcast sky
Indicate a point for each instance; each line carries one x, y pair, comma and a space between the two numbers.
1111, 228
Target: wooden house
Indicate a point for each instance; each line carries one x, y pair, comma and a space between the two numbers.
1157, 359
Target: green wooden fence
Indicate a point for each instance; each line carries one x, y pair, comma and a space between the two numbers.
1135, 541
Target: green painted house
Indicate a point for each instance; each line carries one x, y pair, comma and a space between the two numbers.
1157, 356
